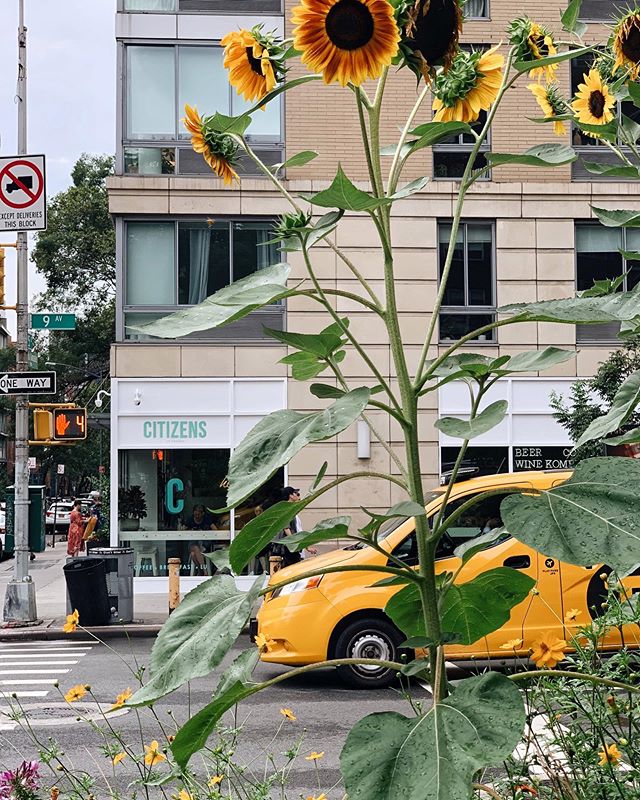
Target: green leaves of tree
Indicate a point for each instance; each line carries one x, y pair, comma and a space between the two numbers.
197, 636
594, 516
274, 441
470, 428
541, 155
434, 756
624, 403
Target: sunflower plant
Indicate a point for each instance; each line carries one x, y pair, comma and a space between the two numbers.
437, 753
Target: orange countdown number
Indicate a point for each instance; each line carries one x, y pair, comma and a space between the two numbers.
70, 424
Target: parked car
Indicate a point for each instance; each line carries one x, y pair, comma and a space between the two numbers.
59, 514
341, 615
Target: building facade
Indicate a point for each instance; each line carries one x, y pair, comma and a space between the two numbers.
180, 406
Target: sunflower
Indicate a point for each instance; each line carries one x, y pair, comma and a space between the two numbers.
551, 102
533, 42
219, 151
594, 102
430, 31
346, 40
254, 61
626, 44
470, 86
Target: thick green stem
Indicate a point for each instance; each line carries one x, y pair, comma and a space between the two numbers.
396, 165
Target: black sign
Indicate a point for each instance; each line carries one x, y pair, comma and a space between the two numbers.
69, 424
529, 458
28, 383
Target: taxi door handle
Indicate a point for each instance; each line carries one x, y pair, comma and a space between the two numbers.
517, 562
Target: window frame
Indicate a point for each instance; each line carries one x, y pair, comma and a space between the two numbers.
600, 20
467, 309
485, 18
217, 11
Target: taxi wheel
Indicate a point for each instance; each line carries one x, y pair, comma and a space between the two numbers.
368, 638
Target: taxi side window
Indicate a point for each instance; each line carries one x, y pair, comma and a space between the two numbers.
480, 518
407, 550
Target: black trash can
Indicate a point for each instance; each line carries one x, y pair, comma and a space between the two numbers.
87, 587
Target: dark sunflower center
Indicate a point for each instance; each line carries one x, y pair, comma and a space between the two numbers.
349, 24
596, 103
436, 31
543, 47
254, 62
631, 42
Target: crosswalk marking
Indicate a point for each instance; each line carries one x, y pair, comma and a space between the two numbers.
30, 669
23, 694
30, 663
33, 671
29, 682
31, 654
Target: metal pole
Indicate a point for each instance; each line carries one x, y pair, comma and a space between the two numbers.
20, 599
174, 583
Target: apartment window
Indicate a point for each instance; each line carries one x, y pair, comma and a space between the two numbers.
173, 264
205, 6
599, 10
469, 300
150, 5
450, 156
476, 9
598, 257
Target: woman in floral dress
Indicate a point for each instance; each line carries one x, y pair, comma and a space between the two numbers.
75, 542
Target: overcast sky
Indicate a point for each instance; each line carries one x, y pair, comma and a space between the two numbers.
71, 92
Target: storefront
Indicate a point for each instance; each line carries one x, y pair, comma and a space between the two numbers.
528, 438
172, 440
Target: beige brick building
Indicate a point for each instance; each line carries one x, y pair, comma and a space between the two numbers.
180, 406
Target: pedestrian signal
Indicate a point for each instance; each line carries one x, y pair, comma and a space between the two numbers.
69, 424
42, 425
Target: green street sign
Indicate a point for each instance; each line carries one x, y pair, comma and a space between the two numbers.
53, 322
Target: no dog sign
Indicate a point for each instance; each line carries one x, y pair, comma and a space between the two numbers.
23, 201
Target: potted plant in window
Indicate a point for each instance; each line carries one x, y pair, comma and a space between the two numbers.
132, 507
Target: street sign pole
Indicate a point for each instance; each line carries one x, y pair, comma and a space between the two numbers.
20, 598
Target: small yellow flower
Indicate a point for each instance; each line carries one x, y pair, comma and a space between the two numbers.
122, 698
287, 713
215, 780
152, 754
314, 756
512, 644
609, 754
571, 616
322, 796
118, 758
75, 693
183, 794
72, 622
264, 643
548, 651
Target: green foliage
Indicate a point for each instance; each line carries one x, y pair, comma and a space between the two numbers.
617, 218
623, 406
326, 531
468, 429
619, 307
131, 503
525, 66
540, 155
261, 530
343, 194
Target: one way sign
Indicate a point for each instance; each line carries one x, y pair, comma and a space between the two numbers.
28, 383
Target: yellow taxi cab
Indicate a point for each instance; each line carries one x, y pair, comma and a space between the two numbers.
341, 615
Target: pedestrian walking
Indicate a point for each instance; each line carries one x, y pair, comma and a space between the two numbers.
75, 537
92, 529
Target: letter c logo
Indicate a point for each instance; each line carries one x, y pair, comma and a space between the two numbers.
174, 505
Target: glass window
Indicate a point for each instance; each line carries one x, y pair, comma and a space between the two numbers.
469, 299
450, 156
477, 460
150, 264
263, 123
481, 518
149, 5
599, 10
598, 256
476, 8
251, 251
203, 260
151, 92
149, 160
202, 82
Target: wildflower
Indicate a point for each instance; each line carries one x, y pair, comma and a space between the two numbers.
254, 61
287, 713
72, 622
20, 782
548, 651
609, 754
314, 756
75, 693
264, 643
626, 43
571, 616
152, 754
183, 794
533, 42
469, 87
322, 796
215, 780
512, 644
122, 698
118, 758
346, 40
552, 104
430, 31
219, 151
594, 105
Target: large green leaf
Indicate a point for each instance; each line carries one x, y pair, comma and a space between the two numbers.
410, 188
541, 155
274, 441
617, 218
609, 171
433, 132
487, 419
304, 366
535, 360
405, 508
230, 303
299, 160
617, 307
222, 124
526, 66
608, 132
197, 636
634, 93
593, 517
622, 407
404, 609
434, 756
571, 16
320, 344
234, 685
343, 194
476, 608
630, 437
325, 531
467, 550
261, 530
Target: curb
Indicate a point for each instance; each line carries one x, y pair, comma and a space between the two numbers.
44, 631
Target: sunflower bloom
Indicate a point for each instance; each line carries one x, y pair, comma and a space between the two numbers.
548, 651
512, 644
75, 693
118, 758
287, 713
594, 103
72, 622
471, 86
609, 754
152, 754
626, 44
552, 104
218, 150
571, 616
533, 42
314, 756
430, 33
251, 70
347, 41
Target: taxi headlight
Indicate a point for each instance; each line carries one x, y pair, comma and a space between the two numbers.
298, 586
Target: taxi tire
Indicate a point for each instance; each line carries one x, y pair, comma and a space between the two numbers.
361, 636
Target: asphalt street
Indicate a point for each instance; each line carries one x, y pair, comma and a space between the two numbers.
324, 710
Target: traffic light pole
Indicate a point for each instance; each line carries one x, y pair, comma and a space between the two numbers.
20, 598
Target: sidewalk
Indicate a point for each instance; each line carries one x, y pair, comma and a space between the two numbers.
48, 577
